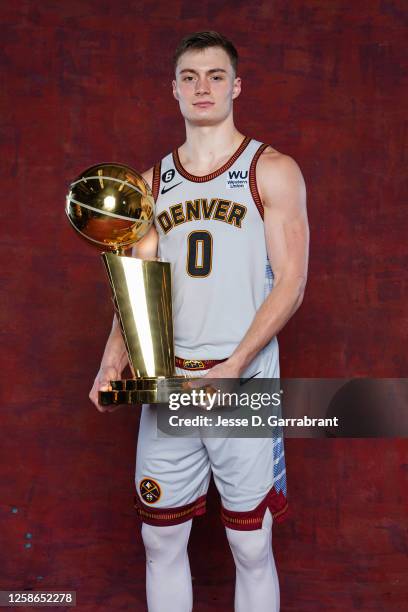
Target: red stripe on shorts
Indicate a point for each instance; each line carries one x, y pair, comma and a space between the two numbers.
252, 519
170, 516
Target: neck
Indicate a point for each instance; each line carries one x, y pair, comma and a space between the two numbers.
206, 144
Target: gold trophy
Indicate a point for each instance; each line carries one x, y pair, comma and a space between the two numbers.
112, 206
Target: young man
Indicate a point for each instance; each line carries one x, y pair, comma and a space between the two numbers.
229, 210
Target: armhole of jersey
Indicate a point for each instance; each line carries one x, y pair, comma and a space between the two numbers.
252, 179
156, 180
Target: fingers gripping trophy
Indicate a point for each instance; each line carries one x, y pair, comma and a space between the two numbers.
112, 207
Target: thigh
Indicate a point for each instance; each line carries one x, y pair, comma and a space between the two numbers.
250, 475
171, 472
243, 469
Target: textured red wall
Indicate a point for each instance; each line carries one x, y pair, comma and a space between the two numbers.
89, 80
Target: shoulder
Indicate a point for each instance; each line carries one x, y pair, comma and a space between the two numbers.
280, 165
152, 175
148, 176
277, 175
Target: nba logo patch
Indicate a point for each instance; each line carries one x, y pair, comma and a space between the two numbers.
150, 490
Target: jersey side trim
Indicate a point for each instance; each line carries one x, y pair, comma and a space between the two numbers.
209, 177
252, 180
156, 180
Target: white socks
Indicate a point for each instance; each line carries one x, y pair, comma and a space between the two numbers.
257, 585
168, 576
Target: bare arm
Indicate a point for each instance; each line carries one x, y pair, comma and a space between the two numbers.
115, 358
283, 193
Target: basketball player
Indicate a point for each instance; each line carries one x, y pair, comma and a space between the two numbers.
231, 219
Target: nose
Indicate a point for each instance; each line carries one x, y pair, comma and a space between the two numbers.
202, 86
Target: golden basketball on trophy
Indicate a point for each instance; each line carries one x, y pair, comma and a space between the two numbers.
112, 207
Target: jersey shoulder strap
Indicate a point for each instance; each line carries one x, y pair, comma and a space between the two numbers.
252, 176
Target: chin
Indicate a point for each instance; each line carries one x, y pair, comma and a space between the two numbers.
205, 120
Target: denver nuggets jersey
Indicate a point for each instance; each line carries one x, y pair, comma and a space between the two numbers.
211, 231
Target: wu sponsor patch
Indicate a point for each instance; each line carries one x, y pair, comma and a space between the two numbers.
150, 490
237, 179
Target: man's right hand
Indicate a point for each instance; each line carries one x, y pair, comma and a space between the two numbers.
101, 383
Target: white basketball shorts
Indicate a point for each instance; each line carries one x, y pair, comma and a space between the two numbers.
173, 473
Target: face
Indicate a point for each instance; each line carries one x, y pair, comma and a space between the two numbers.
205, 86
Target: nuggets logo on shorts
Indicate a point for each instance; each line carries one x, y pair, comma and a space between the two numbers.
150, 490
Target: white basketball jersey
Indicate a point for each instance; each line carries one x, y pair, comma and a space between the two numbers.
211, 231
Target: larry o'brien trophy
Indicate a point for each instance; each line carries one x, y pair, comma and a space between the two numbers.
112, 207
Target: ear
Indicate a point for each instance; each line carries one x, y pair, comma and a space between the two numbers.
174, 86
236, 88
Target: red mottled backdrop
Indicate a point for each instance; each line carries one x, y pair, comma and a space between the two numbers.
85, 81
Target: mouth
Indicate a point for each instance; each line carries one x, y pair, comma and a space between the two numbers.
203, 104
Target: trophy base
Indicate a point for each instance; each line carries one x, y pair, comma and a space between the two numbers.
155, 390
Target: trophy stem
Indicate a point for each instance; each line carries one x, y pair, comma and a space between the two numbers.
141, 292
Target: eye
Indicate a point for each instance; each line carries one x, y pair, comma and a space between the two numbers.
188, 78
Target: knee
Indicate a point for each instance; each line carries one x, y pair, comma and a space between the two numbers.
250, 549
165, 543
